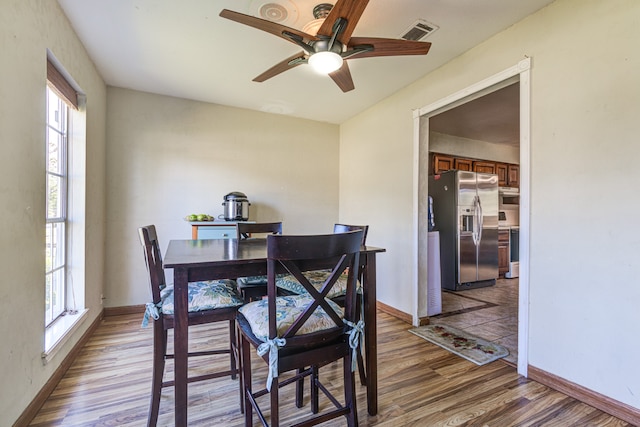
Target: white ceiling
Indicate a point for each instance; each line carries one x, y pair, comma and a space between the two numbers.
494, 117
182, 48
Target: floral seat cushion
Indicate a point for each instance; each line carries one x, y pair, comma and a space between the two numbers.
204, 295
317, 279
288, 308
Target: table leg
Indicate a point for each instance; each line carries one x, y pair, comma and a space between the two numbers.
371, 332
180, 344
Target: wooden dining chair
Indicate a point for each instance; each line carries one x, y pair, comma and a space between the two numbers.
294, 332
251, 229
344, 228
255, 287
209, 301
289, 285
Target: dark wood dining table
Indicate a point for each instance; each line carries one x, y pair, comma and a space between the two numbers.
193, 260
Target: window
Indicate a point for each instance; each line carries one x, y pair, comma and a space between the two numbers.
65, 246
56, 242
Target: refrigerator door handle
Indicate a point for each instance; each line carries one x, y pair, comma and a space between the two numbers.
480, 219
474, 234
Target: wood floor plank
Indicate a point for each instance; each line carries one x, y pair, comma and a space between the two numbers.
420, 384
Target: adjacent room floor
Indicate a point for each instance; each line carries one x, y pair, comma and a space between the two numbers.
490, 313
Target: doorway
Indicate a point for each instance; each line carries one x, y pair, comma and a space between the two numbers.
519, 75
478, 135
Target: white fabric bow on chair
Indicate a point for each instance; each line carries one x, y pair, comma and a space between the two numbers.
272, 347
356, 336
151, 310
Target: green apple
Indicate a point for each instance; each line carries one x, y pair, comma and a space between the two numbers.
193, 217
201, 217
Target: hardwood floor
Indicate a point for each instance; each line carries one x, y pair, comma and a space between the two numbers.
420, 384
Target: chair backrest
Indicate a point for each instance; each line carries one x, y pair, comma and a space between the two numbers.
245, 228
297, 254
343, 228
153, 259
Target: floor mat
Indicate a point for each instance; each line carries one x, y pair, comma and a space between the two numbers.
463, 344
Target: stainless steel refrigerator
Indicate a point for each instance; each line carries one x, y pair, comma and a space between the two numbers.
465, 210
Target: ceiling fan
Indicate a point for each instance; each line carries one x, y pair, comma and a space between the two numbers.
328, 50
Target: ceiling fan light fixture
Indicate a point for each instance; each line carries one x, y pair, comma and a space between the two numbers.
325, 62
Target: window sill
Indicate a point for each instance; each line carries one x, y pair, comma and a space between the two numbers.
59, 332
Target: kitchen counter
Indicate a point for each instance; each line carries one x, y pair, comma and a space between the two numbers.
508, 227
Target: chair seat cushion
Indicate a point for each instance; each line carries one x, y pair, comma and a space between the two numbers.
255, 280
204, 295
317, 279
288, 308
252, 281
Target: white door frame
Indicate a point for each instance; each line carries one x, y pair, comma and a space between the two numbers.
520, 71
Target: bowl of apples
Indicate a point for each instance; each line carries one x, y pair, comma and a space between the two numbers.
199, 218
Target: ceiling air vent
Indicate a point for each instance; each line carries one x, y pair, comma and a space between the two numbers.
419, 30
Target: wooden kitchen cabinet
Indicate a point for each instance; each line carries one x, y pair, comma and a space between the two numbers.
508, 174
484, 167
463, 164
513, 176
503, 252
441, 163
502, 170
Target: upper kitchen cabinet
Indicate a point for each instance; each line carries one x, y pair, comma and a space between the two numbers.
462, 164
441, 163
484, 167
508, 174
502, 170
513, 176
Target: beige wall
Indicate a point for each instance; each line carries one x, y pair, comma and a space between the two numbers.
169, 157
27, 29
584, 295
473, 148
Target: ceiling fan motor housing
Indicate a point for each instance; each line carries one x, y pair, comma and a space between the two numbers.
322, 45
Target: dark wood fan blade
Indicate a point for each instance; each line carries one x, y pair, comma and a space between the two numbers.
388, 47
342, 77
351, 10
281, 67
264, 25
